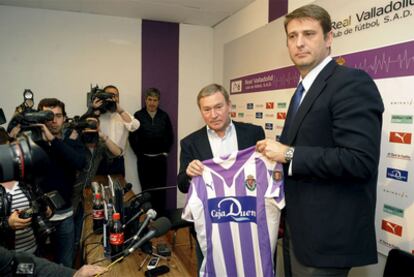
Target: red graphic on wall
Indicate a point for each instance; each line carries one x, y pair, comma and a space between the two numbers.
392, 228
270, 105
281, 115
400, 137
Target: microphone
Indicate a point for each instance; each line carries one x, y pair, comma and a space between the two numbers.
144, 208
145, 197
158, 228
151, 214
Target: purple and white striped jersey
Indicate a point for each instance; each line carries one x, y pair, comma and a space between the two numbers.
235, 206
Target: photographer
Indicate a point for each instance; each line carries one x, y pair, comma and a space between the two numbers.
116, 123
17, 233
11, 261
66, 155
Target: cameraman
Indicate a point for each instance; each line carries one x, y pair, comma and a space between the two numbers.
116, 124
66, 155
98, 146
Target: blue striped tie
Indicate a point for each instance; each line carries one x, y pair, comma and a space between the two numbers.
297, 96
293, 108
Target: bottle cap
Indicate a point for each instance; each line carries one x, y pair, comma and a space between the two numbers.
116, 216
98, 196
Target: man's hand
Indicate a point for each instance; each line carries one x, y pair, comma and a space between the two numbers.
195, 168
13, 133
272, 149
96, 103
47, 135
17, 223
89, 270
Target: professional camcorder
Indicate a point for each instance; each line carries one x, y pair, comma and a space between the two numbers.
108, 104
86, 126
26, 116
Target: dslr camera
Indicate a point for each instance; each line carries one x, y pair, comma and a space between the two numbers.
108, 104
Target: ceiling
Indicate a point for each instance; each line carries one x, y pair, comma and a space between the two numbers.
194, 12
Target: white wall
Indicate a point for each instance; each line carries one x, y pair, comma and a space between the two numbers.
196, 71
59, 54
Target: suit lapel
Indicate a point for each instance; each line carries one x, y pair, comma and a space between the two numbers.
203, 145
314, 91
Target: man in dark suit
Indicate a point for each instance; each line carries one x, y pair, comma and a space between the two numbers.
220, 137
330, 149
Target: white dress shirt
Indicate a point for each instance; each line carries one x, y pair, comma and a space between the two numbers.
116, 128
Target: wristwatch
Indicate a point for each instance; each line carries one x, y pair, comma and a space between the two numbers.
289, 154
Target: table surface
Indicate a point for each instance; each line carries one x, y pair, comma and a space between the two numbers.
129, 266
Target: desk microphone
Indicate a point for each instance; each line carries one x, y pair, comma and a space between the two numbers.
158, 228
151, 215
144, 208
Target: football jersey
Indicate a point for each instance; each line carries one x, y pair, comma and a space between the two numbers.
235, 206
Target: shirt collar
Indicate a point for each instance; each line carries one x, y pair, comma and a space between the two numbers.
229, 129
311, 76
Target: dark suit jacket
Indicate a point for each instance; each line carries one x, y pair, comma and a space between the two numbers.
331, 195
196, 146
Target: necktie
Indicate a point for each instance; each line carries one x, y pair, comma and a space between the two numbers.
293, 108
297, 96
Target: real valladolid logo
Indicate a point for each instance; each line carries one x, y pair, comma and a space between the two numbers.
373, 17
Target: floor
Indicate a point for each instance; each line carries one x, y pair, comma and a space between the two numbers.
184, 250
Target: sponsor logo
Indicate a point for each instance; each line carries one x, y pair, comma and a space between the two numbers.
408, 102
233, 114
279, 127
227, 209
405, 119
270, 105
236, 86
240, 114
250, 182
400, 137
398, 156
259, 115
281, 115
397, 174
281, 105
250, 106
233, 106
392, 228
269, 115
393, 210
249, 115
259, 105
395, 193
387, 244
269, 126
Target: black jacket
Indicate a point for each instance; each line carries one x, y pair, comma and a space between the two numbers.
196, 146
154, 136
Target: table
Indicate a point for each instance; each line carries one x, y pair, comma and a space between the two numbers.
129, 266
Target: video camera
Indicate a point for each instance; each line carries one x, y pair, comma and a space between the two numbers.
26, 116
108, 104
86, 126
